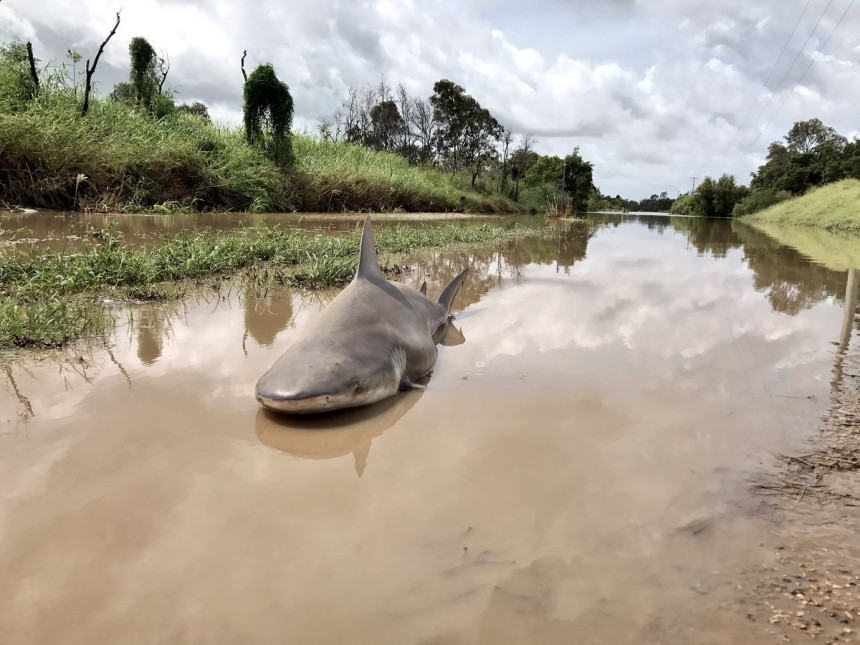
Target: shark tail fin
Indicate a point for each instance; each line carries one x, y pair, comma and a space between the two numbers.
368, 264
450, 291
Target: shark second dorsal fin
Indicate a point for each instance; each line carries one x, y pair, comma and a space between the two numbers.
423, 289
368, 264
447, 296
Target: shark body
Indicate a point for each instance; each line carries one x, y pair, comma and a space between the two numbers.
374, 339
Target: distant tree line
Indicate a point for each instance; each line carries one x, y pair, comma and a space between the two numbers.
812, 154
452, 131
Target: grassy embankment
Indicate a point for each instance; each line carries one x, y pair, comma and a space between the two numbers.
119, 158
823, 224
52, 298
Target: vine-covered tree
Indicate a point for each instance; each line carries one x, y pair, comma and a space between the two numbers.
268, 109
16, 82
143, 75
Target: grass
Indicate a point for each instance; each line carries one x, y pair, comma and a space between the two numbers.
118, 158
49, 299
834, 208
347, 177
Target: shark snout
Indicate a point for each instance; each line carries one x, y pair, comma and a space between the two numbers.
297, 404
315, 400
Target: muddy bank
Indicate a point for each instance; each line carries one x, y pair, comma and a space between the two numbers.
814, 589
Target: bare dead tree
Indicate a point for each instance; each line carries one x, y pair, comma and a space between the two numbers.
505, 141
424, 128
244, 73
520, 161
91, 70
163, 69
383, 91
405, 106
33, 73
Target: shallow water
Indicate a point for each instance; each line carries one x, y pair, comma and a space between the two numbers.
578, 470
69, 231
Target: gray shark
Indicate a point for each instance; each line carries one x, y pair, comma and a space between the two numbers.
374, 339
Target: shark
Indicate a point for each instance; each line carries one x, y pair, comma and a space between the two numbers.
373, 340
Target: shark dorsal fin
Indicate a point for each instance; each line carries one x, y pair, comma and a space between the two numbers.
359, 457
368, 264
423, 289
447, 296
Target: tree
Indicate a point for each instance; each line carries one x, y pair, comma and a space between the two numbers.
506, 140
92, 70
268, 111
385, 126
806, 136
465, 132
142, 73
813, 154
717, 198
16, 83
523, 159
577, 180
196, 109
425, 130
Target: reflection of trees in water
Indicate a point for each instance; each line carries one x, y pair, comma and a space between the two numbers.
489, 265
791, 281
654, 222
709, 236
152, 326
266, 317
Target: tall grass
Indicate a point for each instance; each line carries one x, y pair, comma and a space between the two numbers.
116, 157
120, 158
834, 208
47, 299
343, 176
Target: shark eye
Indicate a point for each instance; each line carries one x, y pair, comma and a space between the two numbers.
356, 388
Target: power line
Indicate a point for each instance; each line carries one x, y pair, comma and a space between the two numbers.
790, 67
773, 69
814, 58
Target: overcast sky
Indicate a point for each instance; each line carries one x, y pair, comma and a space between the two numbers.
653, 91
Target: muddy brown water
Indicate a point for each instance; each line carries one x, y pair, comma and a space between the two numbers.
69, 232
578, 470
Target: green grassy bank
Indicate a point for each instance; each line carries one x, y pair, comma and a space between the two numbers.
834, 208
118, 158
52, 298
823, 224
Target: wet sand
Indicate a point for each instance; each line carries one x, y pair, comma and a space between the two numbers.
580, 468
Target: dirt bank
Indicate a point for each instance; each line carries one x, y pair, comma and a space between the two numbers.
814, 590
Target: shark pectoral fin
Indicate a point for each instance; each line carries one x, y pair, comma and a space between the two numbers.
406, 384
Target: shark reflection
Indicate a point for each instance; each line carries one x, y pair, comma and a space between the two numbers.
333, 435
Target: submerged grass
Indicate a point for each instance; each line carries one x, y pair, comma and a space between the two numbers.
51, 298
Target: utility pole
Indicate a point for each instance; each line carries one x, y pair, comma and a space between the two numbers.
694, 183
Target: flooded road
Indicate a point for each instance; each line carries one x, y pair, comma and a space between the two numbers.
578, 470
68, 232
